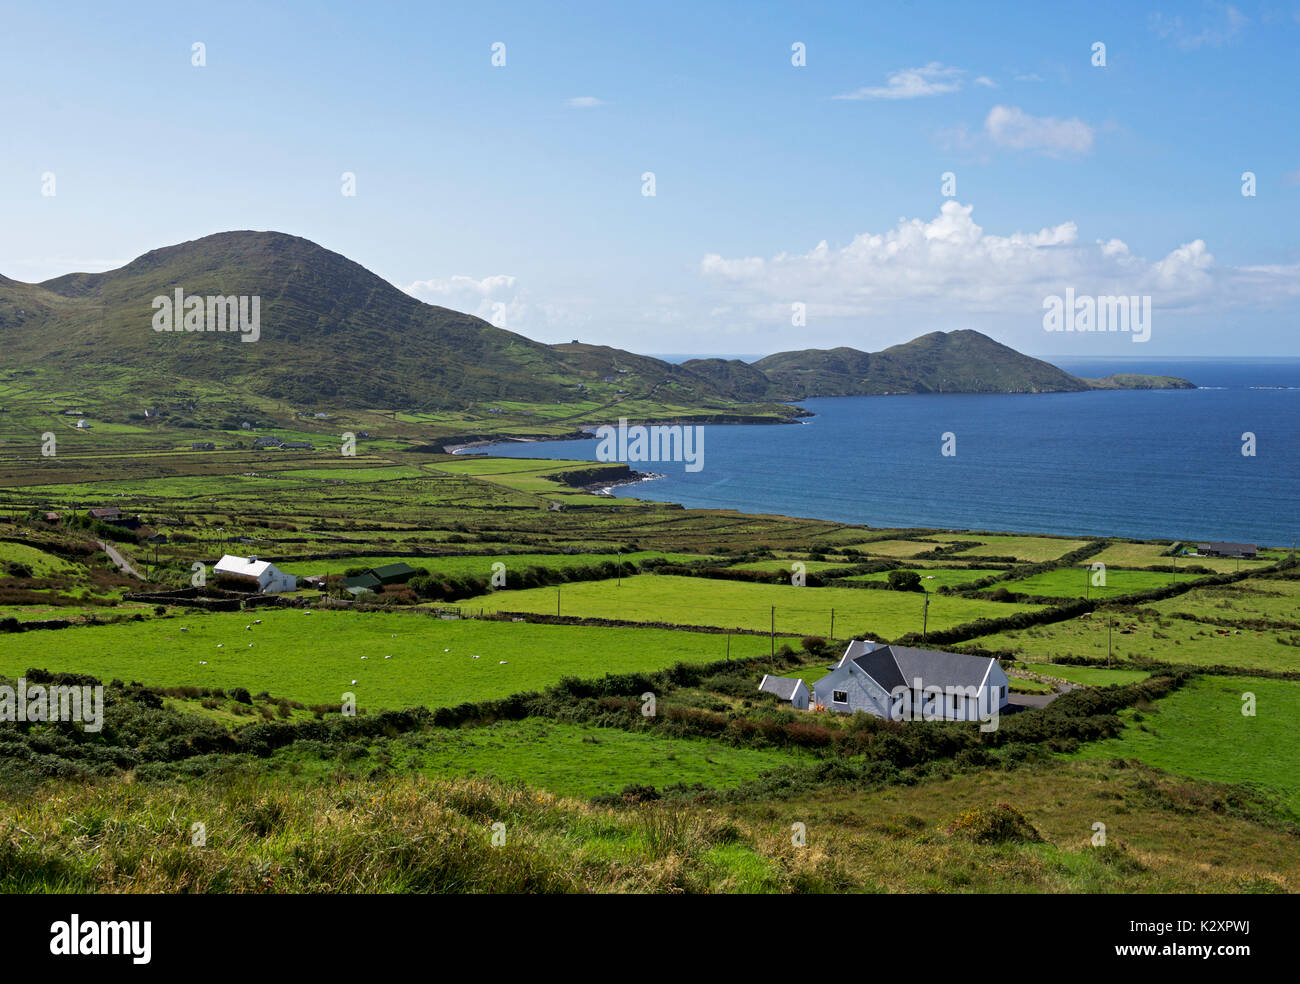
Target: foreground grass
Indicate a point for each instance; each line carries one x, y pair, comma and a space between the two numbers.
1164, 833
412, 834
564, 759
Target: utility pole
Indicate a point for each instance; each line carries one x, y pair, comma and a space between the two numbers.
925, 617
772, 630
557, 599
832, 635
1109, 626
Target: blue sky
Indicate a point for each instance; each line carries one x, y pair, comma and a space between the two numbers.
515, 191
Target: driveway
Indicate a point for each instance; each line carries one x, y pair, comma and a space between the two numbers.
122, 563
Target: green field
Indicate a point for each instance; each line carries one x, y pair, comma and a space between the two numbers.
41, 563
1147, 635
315, 657
1033, 549
1092, 676
776, 565
728, 604
1272, 600
1076, 582
933, 577
481, 566
1200, 731
581, 760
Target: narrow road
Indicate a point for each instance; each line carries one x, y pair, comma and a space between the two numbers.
123, 564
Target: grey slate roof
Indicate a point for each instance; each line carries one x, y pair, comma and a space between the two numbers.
1226, 548
783, 687
894, 666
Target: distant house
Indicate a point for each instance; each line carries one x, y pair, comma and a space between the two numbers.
115, 517
153, 536
246, 426
268, 578
267, 442
83, 425
1247, 550
203, 446
795, 691
51, 517
322, 416
902, 683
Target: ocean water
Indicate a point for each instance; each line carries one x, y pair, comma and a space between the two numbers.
1151, 464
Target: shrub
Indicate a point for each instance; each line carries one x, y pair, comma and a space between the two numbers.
904, 580
1002, 824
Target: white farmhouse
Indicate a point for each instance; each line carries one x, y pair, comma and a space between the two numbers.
269, 578
795, 691
903, 684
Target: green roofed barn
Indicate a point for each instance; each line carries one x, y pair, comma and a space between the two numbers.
393, 573
361, 583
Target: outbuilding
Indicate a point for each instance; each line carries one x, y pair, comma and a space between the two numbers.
794, 691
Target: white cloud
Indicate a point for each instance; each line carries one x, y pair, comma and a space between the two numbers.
986, 82
1012, 127
496, 299
946, 269
910, 83
585, 102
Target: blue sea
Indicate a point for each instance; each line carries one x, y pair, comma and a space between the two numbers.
1148, 464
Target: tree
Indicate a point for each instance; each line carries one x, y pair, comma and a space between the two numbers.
904, 581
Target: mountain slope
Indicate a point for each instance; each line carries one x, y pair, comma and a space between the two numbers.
331, 332
953, 362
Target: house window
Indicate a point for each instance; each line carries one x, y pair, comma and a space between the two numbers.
840, 696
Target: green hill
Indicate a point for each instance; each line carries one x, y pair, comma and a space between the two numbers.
333, 334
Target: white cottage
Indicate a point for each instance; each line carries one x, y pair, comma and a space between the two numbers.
795, 691
269, 578
903, 684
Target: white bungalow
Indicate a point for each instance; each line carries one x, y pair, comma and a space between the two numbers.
268, 578
903, 684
